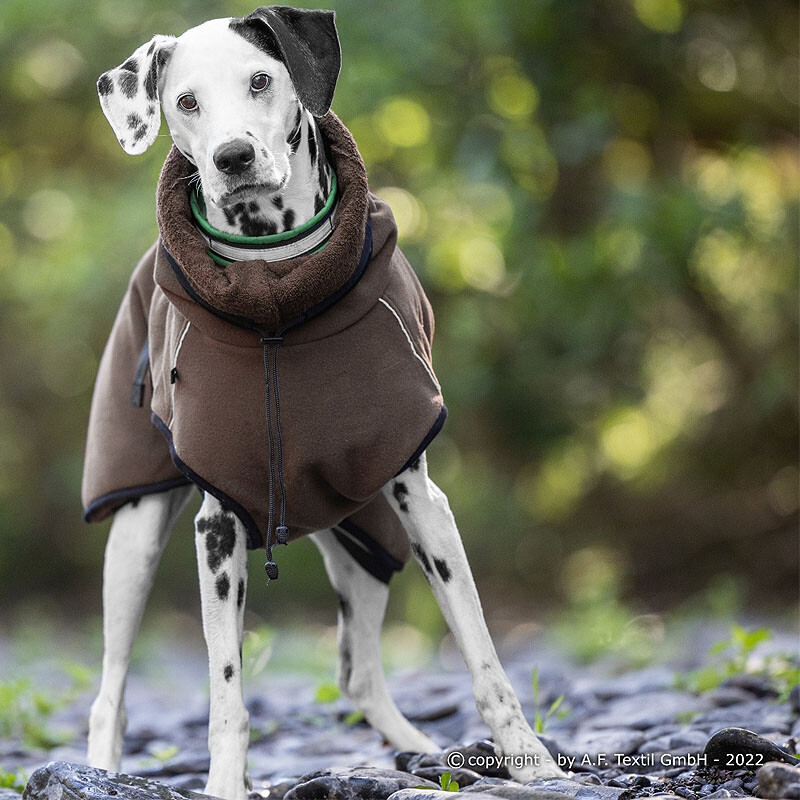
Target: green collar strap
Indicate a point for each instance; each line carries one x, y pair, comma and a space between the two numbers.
309, 237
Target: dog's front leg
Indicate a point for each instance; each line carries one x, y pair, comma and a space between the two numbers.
436, 544
135, 544
222, 564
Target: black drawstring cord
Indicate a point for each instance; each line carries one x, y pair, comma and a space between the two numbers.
281, 531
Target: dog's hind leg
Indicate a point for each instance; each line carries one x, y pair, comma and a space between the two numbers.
135, 544
222, 563
362, 604
436, 544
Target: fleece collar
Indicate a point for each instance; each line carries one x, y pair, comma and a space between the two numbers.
306, 238
269, 294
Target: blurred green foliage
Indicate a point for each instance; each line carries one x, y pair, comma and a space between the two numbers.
738, 655
601, 199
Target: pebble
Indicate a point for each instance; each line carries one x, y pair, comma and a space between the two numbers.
752, 749
62, 780
754, 684
638, 713
670, 742
569, 788
794, 699
648, 709
779, 781
418, 794
359, 783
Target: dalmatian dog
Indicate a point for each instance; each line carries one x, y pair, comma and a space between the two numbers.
248, 124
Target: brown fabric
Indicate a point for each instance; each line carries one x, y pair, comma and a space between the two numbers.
358, 395
270, 297
124, 451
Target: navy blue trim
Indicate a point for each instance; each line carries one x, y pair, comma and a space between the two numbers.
131, 493
254, 538
244, 322
374, 558
314, 311
429, 437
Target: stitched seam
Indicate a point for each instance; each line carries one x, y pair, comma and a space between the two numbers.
175, 366
411, 343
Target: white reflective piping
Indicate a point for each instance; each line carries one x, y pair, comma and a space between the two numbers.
292, 249
175, 366
410, 343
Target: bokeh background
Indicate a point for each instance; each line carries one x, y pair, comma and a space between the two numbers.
601, 199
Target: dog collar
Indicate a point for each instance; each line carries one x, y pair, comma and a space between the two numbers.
311, 236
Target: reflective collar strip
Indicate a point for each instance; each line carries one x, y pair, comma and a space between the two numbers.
281, 252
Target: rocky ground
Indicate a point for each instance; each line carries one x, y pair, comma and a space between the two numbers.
619, 737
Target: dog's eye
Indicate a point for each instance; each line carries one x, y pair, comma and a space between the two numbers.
259, 82
187, 102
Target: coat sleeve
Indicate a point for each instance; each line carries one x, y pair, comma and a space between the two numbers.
125, 456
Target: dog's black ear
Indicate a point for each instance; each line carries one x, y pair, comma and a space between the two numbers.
129, 94
308, 45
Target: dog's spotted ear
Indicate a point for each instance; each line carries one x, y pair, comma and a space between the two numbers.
308, 45
129, 94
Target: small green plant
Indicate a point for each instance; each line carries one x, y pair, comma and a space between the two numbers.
25, 711
735, 656
327, 692
165, 753
13, 780
353, 718
447, 783
540, 721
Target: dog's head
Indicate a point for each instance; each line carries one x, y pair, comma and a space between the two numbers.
230, 90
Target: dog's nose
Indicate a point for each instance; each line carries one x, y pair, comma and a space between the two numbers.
234, 157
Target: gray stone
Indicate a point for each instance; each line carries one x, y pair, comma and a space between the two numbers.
59, 780
733, 785
724, 696
779, 781
647, 710
794, 699
660, 730
9, 794
745, 743
672, 741
276, 790
580, 791
607, 740
195, 783
534, 791
360, 783
763, 714
645, 680
514, 791
179, 764
489, 785
755, 685
411, 762
423, 794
